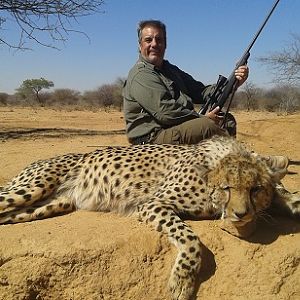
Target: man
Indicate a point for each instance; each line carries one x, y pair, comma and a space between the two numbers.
159, 97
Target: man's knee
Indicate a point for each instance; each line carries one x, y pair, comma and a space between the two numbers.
230, 124
190, 132
206, 128
194, 131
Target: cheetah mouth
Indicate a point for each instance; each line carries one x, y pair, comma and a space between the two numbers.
241, 229
240, 223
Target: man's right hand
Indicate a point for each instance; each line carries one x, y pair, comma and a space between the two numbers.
215, 116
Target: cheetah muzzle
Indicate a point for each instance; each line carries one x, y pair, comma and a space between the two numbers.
218, 178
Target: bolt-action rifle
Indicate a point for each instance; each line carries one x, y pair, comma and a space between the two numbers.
225, 88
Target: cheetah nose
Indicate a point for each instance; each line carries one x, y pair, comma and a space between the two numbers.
240, 215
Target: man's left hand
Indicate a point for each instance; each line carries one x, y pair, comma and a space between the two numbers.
215, 116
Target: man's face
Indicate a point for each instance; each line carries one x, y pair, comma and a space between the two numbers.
153, 45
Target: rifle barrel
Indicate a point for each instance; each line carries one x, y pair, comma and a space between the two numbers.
262, 26
224, 91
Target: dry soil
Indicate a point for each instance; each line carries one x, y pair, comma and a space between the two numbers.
89, 255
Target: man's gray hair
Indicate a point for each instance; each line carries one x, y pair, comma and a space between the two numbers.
152, 23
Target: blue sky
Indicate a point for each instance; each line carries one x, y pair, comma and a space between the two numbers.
205, 39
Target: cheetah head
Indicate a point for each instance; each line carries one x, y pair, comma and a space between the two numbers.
241, 188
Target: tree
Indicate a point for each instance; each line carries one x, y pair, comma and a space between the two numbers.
37, 18
34, 86
251, 93
285, 64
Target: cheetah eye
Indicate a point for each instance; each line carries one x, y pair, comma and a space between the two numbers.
225, 187
256, 189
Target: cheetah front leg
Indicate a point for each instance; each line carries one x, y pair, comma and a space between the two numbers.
285, 202
188, 261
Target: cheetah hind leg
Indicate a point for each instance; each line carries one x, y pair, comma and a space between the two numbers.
44, 209
163, 216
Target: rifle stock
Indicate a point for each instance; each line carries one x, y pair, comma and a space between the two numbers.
226, 87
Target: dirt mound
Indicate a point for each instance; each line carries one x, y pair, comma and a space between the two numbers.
88, 255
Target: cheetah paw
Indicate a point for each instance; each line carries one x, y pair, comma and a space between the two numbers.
181, 288
294, 204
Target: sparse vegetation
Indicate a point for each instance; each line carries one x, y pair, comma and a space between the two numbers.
282, 98
30, 93
106, 96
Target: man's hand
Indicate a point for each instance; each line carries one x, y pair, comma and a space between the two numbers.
241, 74
215, 116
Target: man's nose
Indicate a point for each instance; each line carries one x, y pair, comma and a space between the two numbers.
154, 42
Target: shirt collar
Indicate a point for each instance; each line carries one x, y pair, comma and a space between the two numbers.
153, 67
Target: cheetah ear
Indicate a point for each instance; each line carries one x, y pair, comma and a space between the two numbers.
277, 175
201, 170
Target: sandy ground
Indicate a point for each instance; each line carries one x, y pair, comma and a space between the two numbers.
88, 255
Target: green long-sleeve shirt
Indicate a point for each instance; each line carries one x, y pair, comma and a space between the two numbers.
159, 98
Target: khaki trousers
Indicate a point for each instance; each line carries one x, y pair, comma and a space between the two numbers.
190, 132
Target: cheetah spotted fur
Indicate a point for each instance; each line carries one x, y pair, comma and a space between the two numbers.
160, 184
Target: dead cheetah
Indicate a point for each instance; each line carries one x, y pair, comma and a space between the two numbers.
161, 185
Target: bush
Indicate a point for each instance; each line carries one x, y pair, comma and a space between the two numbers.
3, 99
106, 96
63, 97
281, 98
